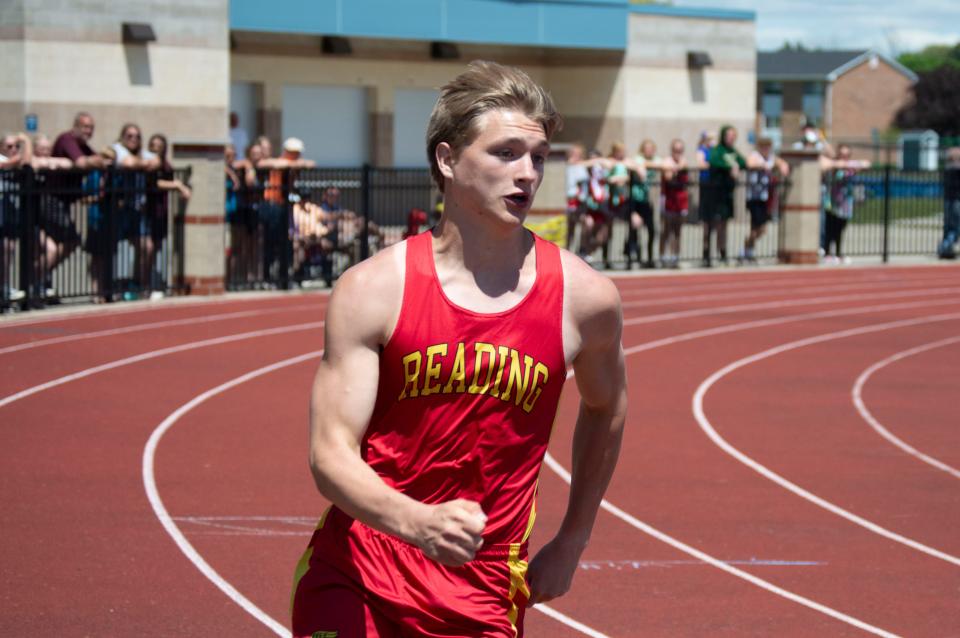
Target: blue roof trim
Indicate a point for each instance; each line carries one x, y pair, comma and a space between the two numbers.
591, 24
693, 12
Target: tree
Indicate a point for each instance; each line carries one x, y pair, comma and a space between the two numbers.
931, 58
936, 102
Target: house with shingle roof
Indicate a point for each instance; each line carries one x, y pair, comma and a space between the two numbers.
852, 96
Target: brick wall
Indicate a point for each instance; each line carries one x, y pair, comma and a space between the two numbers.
867, 98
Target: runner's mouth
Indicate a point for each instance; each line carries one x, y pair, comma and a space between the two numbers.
519, 199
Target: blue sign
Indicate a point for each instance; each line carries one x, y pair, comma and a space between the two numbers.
31, 123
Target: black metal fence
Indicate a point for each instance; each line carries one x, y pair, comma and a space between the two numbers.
96, 234
719, 221
882, 212
288, 227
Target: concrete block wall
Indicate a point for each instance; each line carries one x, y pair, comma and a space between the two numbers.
71, 57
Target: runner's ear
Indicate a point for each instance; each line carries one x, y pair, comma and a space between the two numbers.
445, 159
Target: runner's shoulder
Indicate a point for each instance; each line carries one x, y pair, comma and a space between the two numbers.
592, 297
370, 293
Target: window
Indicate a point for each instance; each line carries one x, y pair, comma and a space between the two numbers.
813, 103
771, 104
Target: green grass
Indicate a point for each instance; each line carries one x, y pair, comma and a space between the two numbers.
870, 211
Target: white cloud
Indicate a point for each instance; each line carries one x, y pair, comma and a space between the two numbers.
890, 26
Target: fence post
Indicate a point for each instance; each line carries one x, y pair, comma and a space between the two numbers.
204, 259
365, 205
28, 236
284, 239
886, 212
800, 213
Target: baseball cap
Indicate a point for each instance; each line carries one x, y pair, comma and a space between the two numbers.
293, 145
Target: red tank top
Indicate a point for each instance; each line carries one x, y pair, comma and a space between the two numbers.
466, 400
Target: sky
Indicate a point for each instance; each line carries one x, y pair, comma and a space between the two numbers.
889, 26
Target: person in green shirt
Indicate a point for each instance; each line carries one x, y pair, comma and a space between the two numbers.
725, 164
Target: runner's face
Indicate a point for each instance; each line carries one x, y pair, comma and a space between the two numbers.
497, 175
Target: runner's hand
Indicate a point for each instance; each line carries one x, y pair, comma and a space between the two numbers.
451, 532
551, 571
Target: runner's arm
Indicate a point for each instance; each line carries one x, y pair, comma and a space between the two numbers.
342, 403
601, 380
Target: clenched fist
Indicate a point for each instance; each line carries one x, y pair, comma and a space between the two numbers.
451, 533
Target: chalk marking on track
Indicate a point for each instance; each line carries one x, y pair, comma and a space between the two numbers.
153, 495
769, 305
621, 565
857, 395
644, 303
150, 326
153, 354
714, 436
719, 564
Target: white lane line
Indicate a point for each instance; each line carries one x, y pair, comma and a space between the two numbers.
568, 621
774, 321
153, 495
558, 469
94, 311
780, 281
769, 305
153, 354
782, 290
857, 395
714, 436
151, 326
719, 564
169, 524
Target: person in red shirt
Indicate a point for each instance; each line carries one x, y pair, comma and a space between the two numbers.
676, 204
433, 404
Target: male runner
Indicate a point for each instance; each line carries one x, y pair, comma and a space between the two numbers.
433, 404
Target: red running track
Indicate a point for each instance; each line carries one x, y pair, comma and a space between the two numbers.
694, 541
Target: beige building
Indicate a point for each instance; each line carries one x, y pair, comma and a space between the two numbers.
359, 99
58, 58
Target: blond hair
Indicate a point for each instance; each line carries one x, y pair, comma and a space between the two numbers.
484, 86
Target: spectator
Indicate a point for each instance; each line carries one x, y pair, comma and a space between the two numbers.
245, 259
951, 204
717, 209
58, 234
75, 144
312, 243
43, 155
167, 183
765, 170
577, 178
15, 152
165, 178
676, 203
136, 220
416, 219
266, 146
645, 173
812, 139
838, 203
238, 136
596, 227
705, 144
618, 189
273, 215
